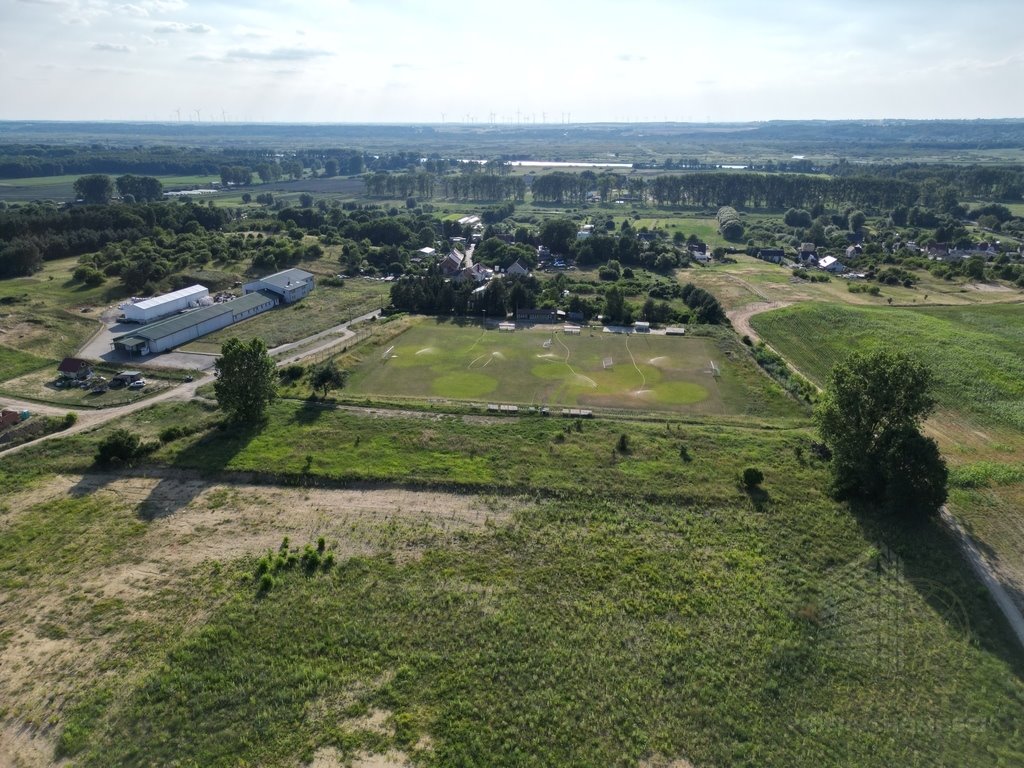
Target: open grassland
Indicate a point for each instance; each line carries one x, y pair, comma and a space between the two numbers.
545, 366
61, 188
751, 280
15, 362
43, 314
324, 308
976, 353
578, 624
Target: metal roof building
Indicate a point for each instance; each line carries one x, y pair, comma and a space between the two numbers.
148, 310
289, 284
180, 329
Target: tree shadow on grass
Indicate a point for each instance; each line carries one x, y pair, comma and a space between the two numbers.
759, 497
931, 561
310, 412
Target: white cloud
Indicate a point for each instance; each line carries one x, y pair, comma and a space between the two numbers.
174, 27
132, 10
113, 48
277, 54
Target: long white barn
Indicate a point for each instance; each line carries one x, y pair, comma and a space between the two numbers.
148, 310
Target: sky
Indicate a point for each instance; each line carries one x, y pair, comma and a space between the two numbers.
552, 61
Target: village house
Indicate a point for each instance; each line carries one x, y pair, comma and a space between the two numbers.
518, 268
74, 368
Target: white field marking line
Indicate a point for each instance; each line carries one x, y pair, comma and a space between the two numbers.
566, 361
643, 379
482, 334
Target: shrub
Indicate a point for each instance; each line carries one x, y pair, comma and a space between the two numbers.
121, 446
623, 445
69, 420
752, 477
266, 583
292, 372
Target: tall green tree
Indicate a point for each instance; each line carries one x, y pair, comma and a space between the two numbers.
870, 417
246, 379
96, 188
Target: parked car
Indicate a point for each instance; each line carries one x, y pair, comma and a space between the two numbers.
137, 384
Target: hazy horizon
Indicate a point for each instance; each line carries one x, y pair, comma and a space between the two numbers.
399, 62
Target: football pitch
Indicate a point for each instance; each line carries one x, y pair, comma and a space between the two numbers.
544, 365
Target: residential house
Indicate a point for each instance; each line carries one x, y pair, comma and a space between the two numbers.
478, 273
832, 264
451, 264
74, 368
518, 268
773, 255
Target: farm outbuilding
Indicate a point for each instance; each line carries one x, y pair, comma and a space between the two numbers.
174, 331
9, 418
150, 310
289, 285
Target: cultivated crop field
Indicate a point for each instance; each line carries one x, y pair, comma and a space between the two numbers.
545, 366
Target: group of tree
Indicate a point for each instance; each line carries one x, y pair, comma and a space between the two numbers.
729, 224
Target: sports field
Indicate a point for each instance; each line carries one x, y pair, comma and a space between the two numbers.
545, 366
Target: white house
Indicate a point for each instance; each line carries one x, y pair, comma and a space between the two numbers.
831, 264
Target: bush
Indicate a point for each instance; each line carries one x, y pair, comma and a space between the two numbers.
292, 372
752, 477
266, 583
69, 420
121, 446
623, 445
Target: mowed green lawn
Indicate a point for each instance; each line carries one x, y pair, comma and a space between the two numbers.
544, 365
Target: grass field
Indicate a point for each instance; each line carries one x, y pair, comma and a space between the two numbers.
467, 362
42, 314
976, 353
61, 188
750, 280
15, 362
575, 625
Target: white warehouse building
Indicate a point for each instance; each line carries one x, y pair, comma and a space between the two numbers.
174, 331
148, 310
